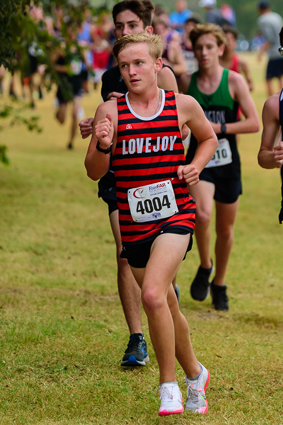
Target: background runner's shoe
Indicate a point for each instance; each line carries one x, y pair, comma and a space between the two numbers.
196, 398
219, 297
200, 285
136, 353
171, 399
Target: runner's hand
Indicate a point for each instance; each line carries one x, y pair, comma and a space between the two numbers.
86, 127
114, 95
104, 131
189, 173
278, 154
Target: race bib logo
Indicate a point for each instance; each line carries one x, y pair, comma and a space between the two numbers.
139, 193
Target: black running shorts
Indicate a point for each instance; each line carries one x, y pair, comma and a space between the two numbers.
138, 254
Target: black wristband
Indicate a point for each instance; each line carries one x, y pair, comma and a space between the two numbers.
108, 150
223, 128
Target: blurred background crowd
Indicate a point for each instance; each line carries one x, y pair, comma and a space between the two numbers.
69, 42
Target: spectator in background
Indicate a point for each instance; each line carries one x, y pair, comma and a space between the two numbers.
180, 15
270, 24
162, 13
229, 14
172, 53
34, 55
85, 40
68, 64
101, 55
231, 60
213, 14
186, 44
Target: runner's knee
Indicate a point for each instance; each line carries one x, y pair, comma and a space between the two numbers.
203, 216
152, 301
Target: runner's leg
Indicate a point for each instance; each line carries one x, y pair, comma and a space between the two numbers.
225, 219
129, 291
203, 194
166, 255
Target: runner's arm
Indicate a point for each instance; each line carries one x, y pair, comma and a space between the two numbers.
270, 156
191, 112
240, 92
104, 130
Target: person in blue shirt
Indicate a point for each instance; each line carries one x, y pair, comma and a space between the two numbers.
180, 15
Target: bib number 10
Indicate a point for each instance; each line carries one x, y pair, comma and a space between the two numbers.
220, 154
150, 205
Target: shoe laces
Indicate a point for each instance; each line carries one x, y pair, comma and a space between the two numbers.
165, 392
133, 344
222, 297
193, 392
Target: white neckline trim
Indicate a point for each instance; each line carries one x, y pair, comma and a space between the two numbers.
153, 116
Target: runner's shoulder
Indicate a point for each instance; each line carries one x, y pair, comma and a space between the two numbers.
105, 107
236, 79
185, 101
271, 106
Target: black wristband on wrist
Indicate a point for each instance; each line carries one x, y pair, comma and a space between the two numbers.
108, 150
223, 128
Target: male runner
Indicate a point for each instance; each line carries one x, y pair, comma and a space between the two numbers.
220, 92
130, 17
271, 149
156, 211
231, 60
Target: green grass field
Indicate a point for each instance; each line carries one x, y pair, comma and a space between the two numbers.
62, 330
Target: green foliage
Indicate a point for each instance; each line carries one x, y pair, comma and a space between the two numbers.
14, 112
17, 32
3, 155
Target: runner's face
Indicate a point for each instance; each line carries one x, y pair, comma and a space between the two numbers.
207, 51
128, 23
231, 42
137, 67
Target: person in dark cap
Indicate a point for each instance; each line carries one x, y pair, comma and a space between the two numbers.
271, 149
270, 24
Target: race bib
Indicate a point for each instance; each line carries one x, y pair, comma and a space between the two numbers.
222, 156
152, 202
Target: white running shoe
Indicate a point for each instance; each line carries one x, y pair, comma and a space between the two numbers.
196, 398
171, 399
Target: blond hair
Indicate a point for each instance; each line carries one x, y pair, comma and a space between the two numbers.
154, 43
201, 29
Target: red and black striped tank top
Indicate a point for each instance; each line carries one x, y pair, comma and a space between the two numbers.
150, 150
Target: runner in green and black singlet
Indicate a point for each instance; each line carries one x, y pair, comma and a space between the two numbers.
220, 92
220, 108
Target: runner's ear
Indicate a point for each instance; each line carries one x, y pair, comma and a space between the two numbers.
221, 50
149, 29
158, 64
